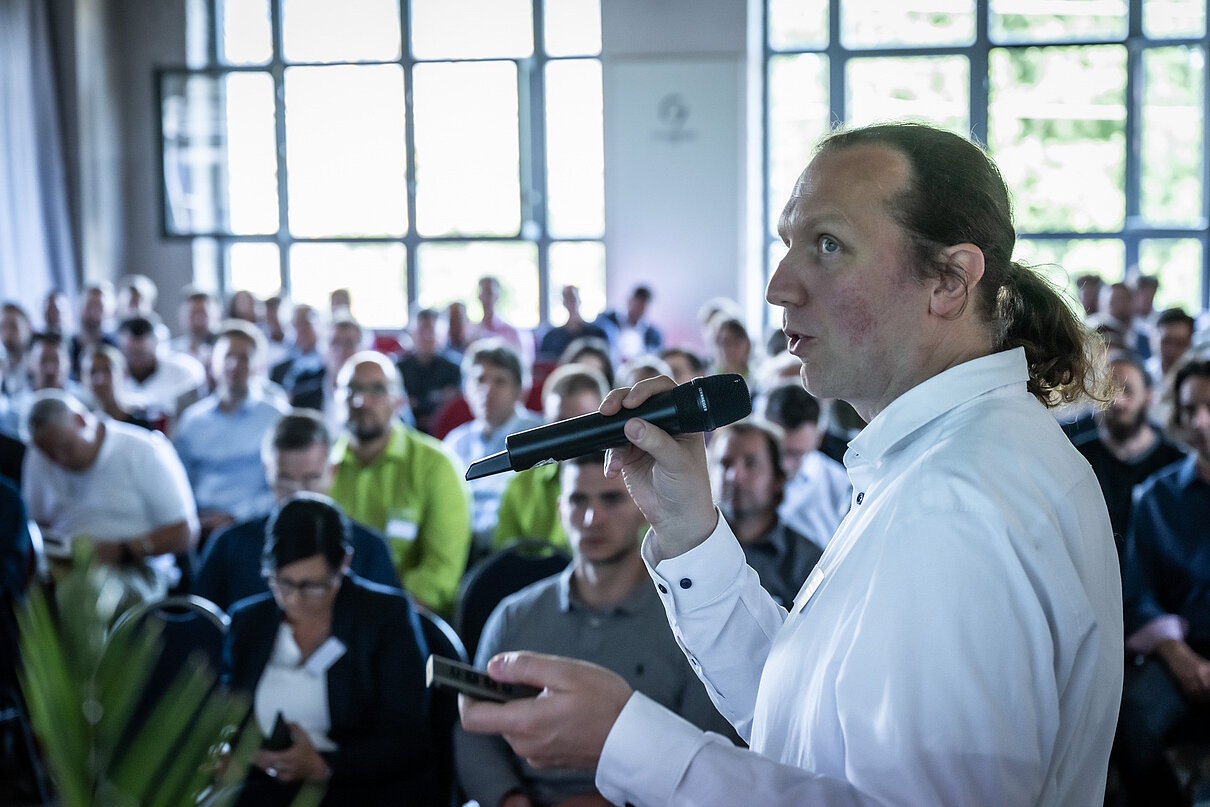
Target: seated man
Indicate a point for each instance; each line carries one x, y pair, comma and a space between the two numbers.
119, 486
529, 508
494, 385
1125, 448
602, 609
818, 492
1166, 598
160, 384
301, 373
400, 482
748, 478
430, 373
219, 437
295, 457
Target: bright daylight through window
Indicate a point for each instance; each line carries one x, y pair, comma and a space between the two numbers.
397, 149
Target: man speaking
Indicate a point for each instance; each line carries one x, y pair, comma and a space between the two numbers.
960, 641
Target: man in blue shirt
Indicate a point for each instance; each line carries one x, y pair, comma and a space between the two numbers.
295, 456
218, 438
1167, 605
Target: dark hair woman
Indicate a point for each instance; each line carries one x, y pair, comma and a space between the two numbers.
340, 659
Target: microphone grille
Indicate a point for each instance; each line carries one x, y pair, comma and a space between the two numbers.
726, 398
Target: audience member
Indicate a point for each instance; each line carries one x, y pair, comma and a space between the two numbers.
1167, 606
243, 305
160, 384
345, 337
340, 660
1118, 315
15, 333
749, 480
593, 352
295, 458
49, 363
103, 372
275, 332
529, 507
56, 313
602, 609
631, 333
457, 328
96, 308
558, 338
1125, 448
494, 386
301, 373
642, 367
1145, 289
686, 365
198, 318
1171, 339
430, 374
401, 483
118, 486
218, 438
1089, 288
714, 311
818, 492
732, 348
136, 297
491, 324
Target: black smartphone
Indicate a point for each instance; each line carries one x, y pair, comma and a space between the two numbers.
447, 673
279, 739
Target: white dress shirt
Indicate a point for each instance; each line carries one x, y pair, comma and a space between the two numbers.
817, 498
959, 643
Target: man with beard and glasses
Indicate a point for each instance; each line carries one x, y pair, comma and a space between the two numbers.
400, 482
1125, 448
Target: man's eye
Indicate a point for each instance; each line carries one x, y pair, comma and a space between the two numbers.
828, 245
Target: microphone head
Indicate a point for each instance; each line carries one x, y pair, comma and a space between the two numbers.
713, 401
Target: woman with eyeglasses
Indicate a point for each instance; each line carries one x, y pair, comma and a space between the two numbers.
341, 660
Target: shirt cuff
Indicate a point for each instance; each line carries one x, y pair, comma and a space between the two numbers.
1161, 629
646, 731
695, 578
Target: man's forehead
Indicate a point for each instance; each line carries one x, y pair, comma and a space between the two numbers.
864, 172
369, 371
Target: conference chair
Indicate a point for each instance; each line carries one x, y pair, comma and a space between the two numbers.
443, 706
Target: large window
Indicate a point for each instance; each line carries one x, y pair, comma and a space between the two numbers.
1094, 112
397, 148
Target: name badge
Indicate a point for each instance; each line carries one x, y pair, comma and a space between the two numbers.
325, 656
400, 530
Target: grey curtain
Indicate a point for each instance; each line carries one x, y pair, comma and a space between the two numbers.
35, 236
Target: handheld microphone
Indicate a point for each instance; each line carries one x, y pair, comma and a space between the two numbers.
700, 405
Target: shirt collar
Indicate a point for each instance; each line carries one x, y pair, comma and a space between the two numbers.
631, 605
1187, 476
933, 398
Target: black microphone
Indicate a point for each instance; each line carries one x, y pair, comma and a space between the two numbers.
700, 405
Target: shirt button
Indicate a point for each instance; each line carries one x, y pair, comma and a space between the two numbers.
663, 589
686, 582
860, 496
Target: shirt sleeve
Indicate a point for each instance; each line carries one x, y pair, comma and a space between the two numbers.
1142, 568
443, 537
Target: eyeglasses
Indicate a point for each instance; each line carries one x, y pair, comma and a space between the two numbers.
306, 589
315, 484
365, 390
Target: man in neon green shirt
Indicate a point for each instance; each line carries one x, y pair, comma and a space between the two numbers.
529, 507
400, 482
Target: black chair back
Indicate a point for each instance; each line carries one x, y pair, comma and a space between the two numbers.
443, 705
494, 577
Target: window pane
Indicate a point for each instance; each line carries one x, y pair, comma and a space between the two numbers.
472, 29
351, 30
1177, 262
220, 166
1056, 125
467, 153
575, 149
879, 23
798, 24
247, 37
1173, 133
254, 266
344, 150
931, 88
1057, 20
451, 272
798, 118
374, 274
580, 264
1063, 261
1174, 18
572, 27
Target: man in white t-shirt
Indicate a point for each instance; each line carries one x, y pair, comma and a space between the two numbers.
117, 485
960, 641
160, 383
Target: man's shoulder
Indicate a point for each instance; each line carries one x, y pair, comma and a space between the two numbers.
197, 412
540, 598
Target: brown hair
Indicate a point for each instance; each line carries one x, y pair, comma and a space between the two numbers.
956, 195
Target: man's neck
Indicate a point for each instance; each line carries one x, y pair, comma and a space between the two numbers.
144, 374
607, 585
1131, 447
230, 400
365, 452
752, 529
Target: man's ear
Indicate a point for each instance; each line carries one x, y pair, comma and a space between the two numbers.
964, 270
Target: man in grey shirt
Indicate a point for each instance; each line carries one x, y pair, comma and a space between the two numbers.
600, 609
